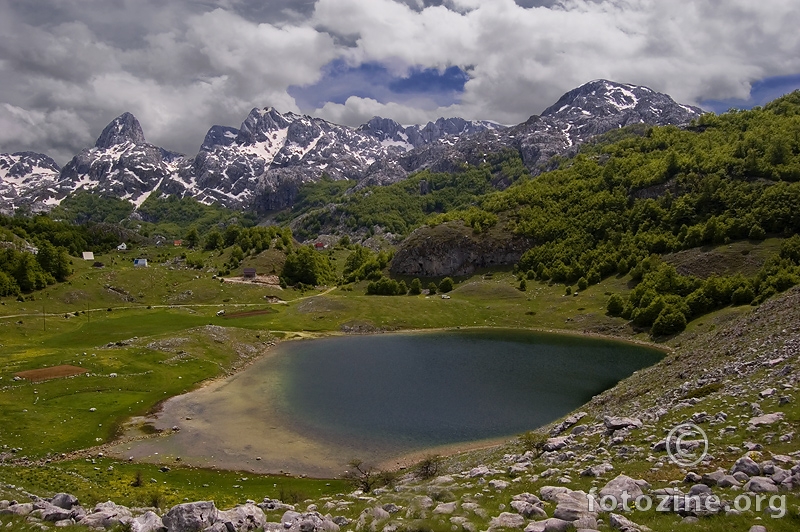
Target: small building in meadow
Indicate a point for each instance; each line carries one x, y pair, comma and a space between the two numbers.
122, 247
320, 245
177, 243
249, 273
88, 255
140, 263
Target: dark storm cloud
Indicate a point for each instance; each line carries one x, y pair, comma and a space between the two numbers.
67, 67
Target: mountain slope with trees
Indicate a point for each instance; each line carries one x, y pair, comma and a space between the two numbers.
616, 207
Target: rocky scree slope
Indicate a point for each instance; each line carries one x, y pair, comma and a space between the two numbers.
261, 165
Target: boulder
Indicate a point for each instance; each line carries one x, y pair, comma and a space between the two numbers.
18, 509
422, 502
64, 500
699, 489
712, 479
445, 508
274, 504
378, 513
191, 516
480, 471
498, 484
624, 524
507, 520
598, 470
550, 493
528, 510
617, 423
573, 506
567, 423
623, 484
550, 525
729, 481
761, 485
244, 518
106, 515
556, 444
527, 497
746, 465
48, 512
766, 419
315, 522
147, 522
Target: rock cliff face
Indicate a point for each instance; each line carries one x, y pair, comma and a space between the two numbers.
454, 249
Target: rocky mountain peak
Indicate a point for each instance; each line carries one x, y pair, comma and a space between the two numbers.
391, 133
23, 163
602, 98
124, 128
381, 128
219, 136
260, 123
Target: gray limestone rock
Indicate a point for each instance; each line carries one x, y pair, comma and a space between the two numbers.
191, 516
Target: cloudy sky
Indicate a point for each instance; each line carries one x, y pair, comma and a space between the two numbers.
68, 67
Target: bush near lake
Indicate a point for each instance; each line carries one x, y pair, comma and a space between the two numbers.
307, 266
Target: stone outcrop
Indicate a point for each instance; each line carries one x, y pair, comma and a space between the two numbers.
455, 249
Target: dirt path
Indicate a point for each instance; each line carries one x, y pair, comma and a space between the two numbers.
188, 305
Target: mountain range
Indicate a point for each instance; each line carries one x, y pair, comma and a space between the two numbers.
261, 165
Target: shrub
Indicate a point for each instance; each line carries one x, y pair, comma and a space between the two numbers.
415, 288
669, 321
366, 478
583, 284
533, 441
703, 391
446, 285
386, 287
428, 467
743, 295
432, 288
615, 305
757, 233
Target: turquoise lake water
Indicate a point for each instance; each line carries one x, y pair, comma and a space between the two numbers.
400, 392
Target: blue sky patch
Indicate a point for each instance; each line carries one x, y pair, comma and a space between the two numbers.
373, 80
762, 91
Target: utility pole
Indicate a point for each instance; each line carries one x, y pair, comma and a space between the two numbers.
88, 314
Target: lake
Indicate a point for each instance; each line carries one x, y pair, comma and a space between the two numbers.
310, 406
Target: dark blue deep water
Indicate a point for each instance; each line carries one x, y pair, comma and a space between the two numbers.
404, 392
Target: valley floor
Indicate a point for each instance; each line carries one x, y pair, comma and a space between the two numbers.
733, 373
